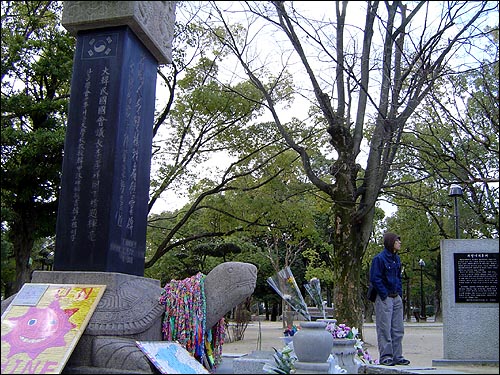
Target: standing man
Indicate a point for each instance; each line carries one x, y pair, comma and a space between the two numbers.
385, 276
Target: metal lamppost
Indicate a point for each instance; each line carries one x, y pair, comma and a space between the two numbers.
422, 306
455, 192
406, 300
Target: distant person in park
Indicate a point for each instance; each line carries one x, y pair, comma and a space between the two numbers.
386, 278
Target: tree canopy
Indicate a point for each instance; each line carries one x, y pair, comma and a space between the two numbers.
36, 71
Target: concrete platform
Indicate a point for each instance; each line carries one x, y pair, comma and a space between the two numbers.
422, 345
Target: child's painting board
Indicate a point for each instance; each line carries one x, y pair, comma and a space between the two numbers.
171, 357
42, 325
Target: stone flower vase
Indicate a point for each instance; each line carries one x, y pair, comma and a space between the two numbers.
312, 343
344, 353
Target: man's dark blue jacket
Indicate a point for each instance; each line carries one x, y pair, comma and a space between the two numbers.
385, 274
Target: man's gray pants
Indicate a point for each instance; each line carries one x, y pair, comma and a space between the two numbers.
390, 327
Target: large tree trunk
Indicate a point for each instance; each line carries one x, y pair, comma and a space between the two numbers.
23, 239
349, 239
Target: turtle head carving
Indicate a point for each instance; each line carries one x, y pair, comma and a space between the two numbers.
226, 286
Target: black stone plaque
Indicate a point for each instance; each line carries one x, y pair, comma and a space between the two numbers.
103, 206
476, 277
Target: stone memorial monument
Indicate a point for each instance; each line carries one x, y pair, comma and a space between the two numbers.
470, 287
103, 206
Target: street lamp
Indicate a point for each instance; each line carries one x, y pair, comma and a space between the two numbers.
422, 306
406, 300
455, 192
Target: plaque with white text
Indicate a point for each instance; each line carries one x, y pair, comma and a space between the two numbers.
476, 277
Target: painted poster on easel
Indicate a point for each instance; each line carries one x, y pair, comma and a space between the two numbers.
43, 324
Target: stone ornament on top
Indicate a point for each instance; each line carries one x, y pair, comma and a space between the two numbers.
151, 21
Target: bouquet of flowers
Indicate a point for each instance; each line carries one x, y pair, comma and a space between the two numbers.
285, 285
314, 290
342, 331
363, 355
290, 330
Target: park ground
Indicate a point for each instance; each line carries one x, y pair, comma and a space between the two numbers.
422, 343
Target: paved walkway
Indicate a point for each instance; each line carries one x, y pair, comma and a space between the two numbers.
422, 343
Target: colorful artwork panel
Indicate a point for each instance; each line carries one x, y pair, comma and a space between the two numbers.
171, 357
43, 324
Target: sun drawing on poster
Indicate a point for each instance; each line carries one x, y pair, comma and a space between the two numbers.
39, 329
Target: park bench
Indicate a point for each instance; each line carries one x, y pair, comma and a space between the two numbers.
316, 314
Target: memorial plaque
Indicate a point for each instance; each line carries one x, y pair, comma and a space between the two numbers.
102, 218
476, 277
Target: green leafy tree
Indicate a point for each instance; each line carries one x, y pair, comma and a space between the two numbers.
364, 91
280, 207
420, 240
36, 71
206, 118
454, 140
8, 266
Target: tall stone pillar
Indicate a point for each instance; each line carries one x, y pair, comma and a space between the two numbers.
101, 223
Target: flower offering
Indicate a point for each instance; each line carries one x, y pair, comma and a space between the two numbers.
290, 330
342, 331
285, 285
314, 290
